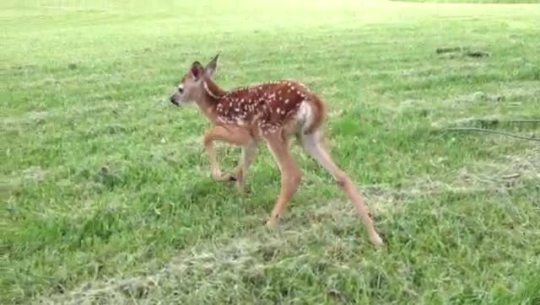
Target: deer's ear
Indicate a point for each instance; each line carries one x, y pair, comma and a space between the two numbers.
197, 70
211, 67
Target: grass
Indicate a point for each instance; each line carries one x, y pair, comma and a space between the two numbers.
473, 1
107, 197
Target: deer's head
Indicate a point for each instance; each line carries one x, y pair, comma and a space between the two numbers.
191, 86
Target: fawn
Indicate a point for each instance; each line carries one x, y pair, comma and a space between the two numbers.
272, 112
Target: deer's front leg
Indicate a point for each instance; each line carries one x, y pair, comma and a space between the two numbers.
235, 136
249, 153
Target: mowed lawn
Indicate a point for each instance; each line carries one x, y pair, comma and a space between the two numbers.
106, 191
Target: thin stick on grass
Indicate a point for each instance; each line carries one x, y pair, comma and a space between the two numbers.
502, 133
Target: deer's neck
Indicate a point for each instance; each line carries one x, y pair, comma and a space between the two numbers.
209, 98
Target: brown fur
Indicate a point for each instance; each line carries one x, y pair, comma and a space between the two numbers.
265, 108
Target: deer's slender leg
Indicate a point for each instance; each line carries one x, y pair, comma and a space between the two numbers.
312, 144
249, 153
290, 175
235, 136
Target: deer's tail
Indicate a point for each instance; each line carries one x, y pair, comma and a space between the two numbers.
318, 114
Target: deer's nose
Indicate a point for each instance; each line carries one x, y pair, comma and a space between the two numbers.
173, 100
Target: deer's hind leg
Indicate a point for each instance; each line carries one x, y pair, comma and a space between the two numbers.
290, 175
312, 144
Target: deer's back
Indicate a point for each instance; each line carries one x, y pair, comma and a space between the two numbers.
267, 106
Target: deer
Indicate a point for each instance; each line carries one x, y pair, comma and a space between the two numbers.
273, 113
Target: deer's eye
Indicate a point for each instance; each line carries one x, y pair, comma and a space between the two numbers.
180, 89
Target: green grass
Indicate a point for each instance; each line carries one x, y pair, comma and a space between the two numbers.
474, 1
106, 191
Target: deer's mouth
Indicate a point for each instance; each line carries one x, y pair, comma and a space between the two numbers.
173, 100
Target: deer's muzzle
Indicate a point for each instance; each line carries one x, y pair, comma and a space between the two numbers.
173, 100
